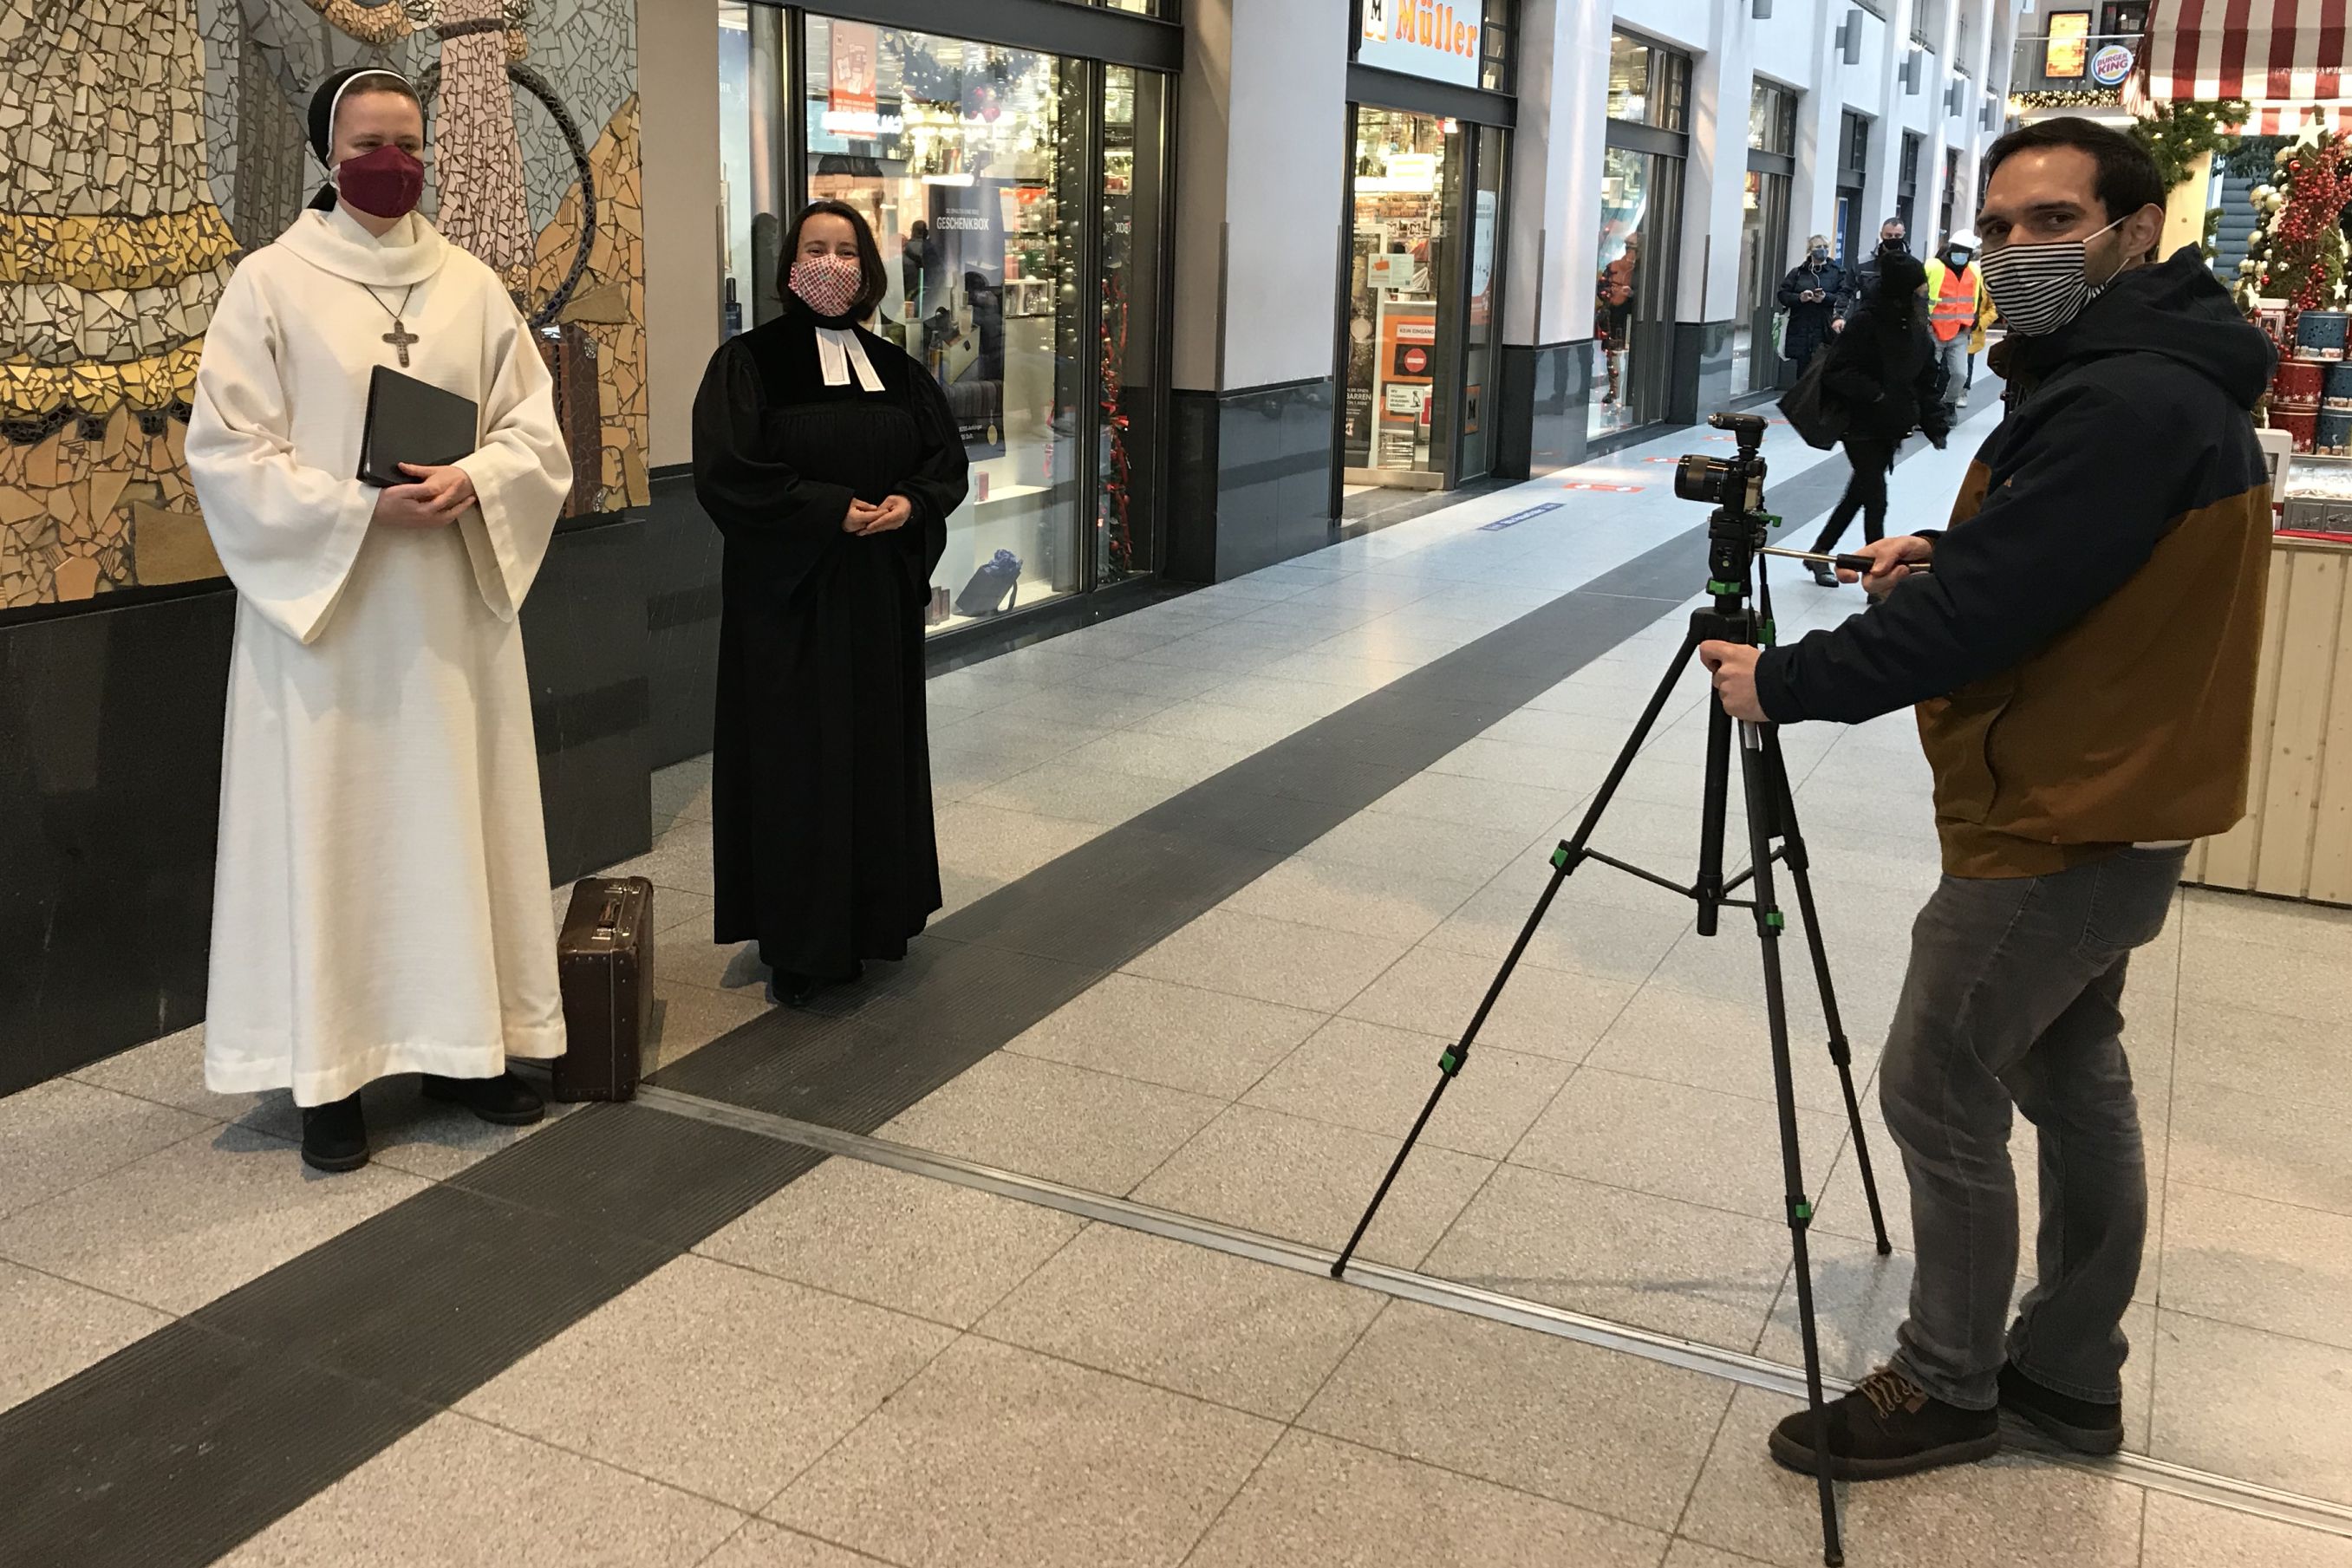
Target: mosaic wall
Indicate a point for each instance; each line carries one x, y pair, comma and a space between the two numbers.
144, 144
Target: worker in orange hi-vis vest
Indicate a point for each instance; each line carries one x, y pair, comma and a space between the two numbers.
1959, 307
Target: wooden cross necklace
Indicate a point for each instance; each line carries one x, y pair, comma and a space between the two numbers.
400, 337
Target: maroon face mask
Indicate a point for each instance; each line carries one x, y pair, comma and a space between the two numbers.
386, 182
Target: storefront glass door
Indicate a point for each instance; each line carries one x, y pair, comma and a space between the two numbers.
1482, 319
1402, 336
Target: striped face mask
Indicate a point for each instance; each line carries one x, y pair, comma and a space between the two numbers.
2039, 289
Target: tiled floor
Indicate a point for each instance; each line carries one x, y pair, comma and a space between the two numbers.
874, 1366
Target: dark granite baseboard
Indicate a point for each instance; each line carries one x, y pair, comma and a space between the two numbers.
1701, 374
1540, 411
110, 788
1249, 478
682, 600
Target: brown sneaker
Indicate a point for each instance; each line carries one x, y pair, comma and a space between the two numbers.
1888, 1425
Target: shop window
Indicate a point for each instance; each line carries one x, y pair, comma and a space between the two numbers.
1772, 120
1019, 199
753, 128
1499, 32
1633, 328
968, 158
1648, 84
1126, 406
1766, 254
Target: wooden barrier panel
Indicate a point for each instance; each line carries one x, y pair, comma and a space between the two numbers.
2297, 840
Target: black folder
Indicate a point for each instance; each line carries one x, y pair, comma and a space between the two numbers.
409, 421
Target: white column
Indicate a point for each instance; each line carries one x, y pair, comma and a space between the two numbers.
1821, 123
678, 72
1717, 171
1260, 161
1555, 158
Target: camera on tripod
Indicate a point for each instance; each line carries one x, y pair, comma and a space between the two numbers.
1738, 481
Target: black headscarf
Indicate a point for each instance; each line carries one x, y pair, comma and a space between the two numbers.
322, 120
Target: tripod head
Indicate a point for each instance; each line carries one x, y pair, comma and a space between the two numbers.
1738, 526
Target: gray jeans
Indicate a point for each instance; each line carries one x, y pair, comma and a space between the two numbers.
2014, 998
1954, 356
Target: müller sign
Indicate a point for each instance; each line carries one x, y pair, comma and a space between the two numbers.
1422, 39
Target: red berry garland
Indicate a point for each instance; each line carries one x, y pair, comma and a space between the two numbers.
2303, 246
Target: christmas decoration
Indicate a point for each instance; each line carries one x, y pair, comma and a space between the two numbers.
1119, 483
2177, 135
2099, 98
2298, 253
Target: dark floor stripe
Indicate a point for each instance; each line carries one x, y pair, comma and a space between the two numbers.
176, 1449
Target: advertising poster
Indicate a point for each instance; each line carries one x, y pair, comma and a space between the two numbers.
2064, 53
1407, 366
851, 95
1482, 259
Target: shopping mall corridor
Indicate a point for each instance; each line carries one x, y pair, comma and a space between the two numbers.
1015, 1254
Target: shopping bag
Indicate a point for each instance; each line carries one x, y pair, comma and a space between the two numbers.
1812, 412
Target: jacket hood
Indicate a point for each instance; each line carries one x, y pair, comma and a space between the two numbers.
2177, 308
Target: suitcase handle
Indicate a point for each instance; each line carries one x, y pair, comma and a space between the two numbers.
609, 922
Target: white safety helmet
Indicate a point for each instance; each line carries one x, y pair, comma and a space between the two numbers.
1964, 240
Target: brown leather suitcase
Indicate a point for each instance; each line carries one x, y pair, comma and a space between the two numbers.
605, 961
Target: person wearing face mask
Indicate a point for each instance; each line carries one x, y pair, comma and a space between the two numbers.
829, 461
1892, 240
1882, 373
2083, 658
1814, 294
379, 904
1957, 309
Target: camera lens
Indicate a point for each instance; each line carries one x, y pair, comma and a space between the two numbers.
1699, 477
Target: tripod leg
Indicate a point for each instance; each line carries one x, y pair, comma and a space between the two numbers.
1799, 872
1564, 861
1769, 925
1450, 1065
1714, 805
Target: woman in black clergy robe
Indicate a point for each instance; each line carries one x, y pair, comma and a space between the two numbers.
828, 459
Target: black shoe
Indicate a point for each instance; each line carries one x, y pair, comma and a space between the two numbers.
505, 1099
1825, 576
793, 990
2085, 1426
334, 1135
1889, 1425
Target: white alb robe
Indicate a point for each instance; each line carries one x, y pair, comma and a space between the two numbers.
381, 900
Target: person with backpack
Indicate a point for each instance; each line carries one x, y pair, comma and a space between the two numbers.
1883, 374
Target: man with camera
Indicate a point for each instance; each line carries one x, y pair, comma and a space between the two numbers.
2081, 646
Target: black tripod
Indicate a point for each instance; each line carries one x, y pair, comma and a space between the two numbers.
1736, 533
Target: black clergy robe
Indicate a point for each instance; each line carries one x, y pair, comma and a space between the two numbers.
821, 788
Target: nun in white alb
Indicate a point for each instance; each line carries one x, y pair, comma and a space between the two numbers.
382, 897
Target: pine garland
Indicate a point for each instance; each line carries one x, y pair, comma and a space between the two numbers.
2177, 134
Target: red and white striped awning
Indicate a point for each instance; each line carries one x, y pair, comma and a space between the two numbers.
2283, 52
2288, 119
